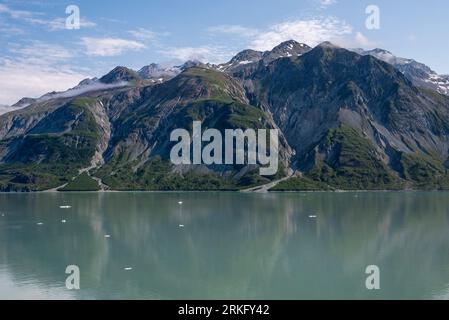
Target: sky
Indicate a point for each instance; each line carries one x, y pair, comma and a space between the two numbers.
39, 54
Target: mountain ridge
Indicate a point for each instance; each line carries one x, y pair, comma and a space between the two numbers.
346, 121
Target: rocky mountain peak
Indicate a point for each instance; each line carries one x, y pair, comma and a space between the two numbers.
247, 56
158, 73
192, 64
328, 45
87, 82
120, 74
24, 102
289, 48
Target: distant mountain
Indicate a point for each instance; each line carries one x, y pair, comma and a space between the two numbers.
4, 108
24, 102
346, 121
156, 73
420, 74
120, 74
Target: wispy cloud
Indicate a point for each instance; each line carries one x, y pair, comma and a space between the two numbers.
109, 47
41, 53
327, 3
7, 30
143, 34
59, 24
16, 14
207, 53
36, 69
363, 41
310, 31
37, 18
23, 80
234, 30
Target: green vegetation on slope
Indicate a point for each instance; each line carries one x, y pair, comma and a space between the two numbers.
424, 172
221, 115
53, 152
301, 184
83, 182
352, 163
33, 177
156, 175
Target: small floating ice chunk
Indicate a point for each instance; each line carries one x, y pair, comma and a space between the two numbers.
181, 226
107, 236
180, 202
312, 216
128, 269
63, 221
65, 207
40, 223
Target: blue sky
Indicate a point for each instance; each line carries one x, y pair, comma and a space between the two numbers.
38, 54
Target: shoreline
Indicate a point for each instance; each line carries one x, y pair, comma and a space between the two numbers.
52, 191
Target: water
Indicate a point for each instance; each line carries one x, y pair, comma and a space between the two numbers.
224, 245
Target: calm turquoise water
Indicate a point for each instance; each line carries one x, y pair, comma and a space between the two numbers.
232, 246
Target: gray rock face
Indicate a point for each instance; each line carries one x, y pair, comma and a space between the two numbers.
313, 93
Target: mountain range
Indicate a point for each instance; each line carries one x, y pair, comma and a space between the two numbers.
348, 119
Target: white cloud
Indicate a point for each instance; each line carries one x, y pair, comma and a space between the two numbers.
41, 53
36, 69
60, 23
16, 14
18, 79
143, 34
6, 30
5, 109
234, 30
357, 40
363, 41
311, 32
108, 47
212, 54
35, 18
327, 3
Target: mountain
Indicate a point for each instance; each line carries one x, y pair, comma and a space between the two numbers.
420, 74
5, 108
343, 113
24, 102
286, 49
120, 74
346, 121
119, 77
156, 73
